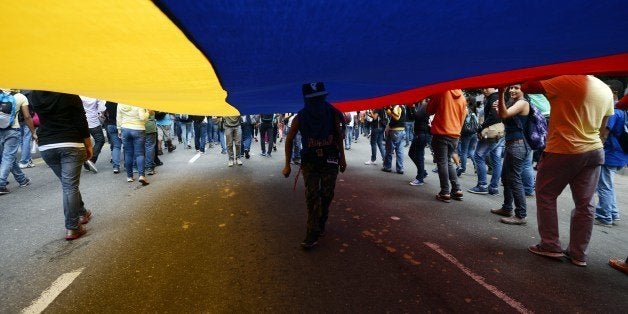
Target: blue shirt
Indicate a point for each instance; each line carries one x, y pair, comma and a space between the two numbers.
613, 153
167, 120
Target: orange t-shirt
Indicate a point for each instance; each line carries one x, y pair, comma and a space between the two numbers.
578, 105
449, 109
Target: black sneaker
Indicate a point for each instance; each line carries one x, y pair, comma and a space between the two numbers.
309, 242
307, 245
26, 183
4, 190
321, 232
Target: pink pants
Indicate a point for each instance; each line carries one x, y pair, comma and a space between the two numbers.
581, 172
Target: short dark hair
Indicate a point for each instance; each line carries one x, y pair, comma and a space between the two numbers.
616, 86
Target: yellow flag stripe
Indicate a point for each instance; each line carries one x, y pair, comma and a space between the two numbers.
118, 50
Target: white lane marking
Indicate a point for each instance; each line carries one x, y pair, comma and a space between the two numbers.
194, 158
479, 279
52, 293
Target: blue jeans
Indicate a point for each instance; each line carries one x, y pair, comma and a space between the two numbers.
409, 132
495, 149
212, 132
9, 142
517, 153
297, 146
527, 175
66, 163
393, 143
247, 137
377, 142
348, 137
417, 153
99, 141
116, 145
187, 133
177, 130
149, 148
466, 148
444, 148
134, 150
223, 140
25, 143
606, 209
200, 135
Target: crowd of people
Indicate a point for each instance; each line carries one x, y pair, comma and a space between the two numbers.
584, 131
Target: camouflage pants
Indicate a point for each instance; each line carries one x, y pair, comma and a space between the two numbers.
320, 182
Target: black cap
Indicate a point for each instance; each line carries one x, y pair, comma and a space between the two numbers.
313, 89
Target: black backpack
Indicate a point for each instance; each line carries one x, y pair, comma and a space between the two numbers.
159, 115
471, 124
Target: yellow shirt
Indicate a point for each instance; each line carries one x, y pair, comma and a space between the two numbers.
578, 105
131, 117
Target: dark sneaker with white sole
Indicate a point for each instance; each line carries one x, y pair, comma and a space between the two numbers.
483, 190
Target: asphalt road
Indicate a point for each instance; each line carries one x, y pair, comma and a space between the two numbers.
203, 237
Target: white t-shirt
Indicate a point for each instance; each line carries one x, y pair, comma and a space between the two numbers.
352, 122
93, 107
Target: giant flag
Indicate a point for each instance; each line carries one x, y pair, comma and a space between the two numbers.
251, 56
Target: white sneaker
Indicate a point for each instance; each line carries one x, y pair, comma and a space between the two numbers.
230, 164
239, 162
416, 182
368, 162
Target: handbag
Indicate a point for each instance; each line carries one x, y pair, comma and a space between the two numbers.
35, 120
494, 131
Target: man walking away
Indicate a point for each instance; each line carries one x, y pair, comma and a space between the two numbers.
449, 109
321, 157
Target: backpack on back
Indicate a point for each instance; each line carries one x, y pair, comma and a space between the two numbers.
623, 136
471, 124
8, 108
535, 129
